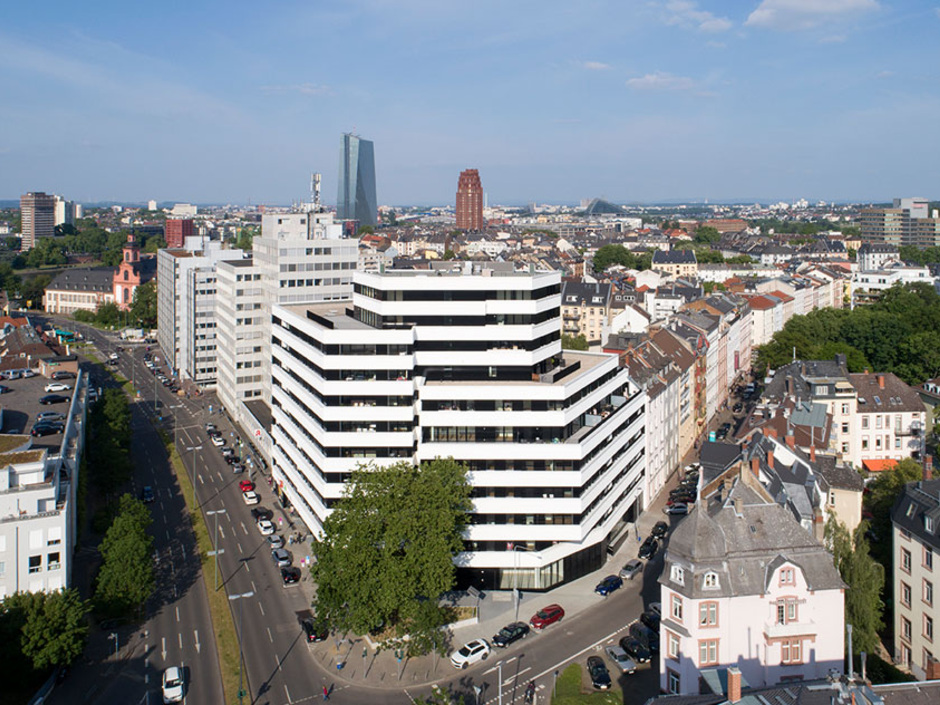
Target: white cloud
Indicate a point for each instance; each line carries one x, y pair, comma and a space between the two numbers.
595, 65
685, 13
790, 15
884, 74
302, 88
661, 81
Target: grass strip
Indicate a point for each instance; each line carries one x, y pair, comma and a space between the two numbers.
223, 624
569, 689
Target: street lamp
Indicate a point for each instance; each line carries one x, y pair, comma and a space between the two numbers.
217, 550
499, 690
194, 449
241, 655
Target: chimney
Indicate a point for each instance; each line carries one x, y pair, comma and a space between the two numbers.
770, 458
881, 381
791, 441
755, 466
734, 684
812, 453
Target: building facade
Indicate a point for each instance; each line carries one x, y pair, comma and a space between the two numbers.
131, 273
907, 223
585, 311
176, 230
464, 364
356, 198
79, 290
37, 213
470, 201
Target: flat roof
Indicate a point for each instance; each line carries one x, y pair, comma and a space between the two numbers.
332, 311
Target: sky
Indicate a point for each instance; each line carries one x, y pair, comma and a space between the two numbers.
635, 101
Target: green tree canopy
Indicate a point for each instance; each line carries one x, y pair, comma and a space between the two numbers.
387, 550
56, 628
865, 579
144, 306
126, 578
574, 342
706, 235
618, 254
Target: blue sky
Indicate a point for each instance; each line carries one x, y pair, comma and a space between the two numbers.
631, 100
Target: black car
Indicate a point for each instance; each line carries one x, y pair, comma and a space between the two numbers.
259, 513
608, 585
4, 389
635, 649
651, 619
510, 633
53, 399
600, 676
649, 548
313, 631
645, 635
290, 575
146, 494
63, 374
659, 529
46, 429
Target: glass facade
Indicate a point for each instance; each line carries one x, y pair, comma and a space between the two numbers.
356, 198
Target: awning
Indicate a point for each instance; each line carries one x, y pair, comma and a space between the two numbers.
879, 464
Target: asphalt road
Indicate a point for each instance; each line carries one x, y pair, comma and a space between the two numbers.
177, 630
281, 668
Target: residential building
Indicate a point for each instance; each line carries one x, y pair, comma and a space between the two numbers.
241, 334
176, 230
875, 255
37, 214
183, 210
38, 511
463, 361
915, 521
868, 285
678, 263
745, 586
890, 421
356, 199
64, 211
584, 310
470, 201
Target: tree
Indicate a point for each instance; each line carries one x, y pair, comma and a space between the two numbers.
449, 254
386, 554
245, 237
574, 342
56, 628
865, 579
33, 289
144, 306
884, 491
706, 235
126, 579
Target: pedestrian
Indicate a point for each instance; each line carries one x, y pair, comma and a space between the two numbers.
326, 693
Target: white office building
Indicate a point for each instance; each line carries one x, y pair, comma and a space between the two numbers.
466, 362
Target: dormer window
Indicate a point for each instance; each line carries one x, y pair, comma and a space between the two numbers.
928, 524
787, 576
677, 575
710, 581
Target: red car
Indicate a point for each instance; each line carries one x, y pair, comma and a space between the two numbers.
246, 485
547, 615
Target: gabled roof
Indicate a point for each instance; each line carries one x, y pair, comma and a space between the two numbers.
674, 257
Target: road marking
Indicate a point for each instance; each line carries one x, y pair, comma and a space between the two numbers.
261, 607
243, 527
507, 681
222, 531
177, 614
247, 569
203, 480
180, 635
163, 647
288, 693
238, 543
270, 638
168, 534
196, 634
253, 586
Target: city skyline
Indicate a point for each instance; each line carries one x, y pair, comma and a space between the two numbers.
633, 102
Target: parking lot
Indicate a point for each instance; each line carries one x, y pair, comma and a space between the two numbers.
20, 401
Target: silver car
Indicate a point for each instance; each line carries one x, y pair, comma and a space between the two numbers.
620, 659
281, 557
633, 568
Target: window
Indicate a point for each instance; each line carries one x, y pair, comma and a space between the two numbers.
787, 576
905, 594
787, 611
864, 422
928, 592
832, 498
928, 558
897, 443
845, 428
928, 627
52, 561
878, 422
928, 523
708, 652
672, 645
677, 607
905, 628
710, 581
672, 679
845, 447
708, 614
905, 560
791, 651
864, 442
905, 656
677, 574
35, 564
845, 409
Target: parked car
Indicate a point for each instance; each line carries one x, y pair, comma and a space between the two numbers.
470, 653
281, 557
275, 541
227, 452
217, 441
659, 529
50, 416
608, 585
237, 468
146, 494
290, 576
313, 631
621, 659
261, 513
4, 389
46, 428
679, 509
251, 497
52, 399
632, 568
265, 527
210, 428
645, 635
648, 548
651, 619
635, 649
546, 616
600, 676
246, 485
63, 374
511, 633
173, 685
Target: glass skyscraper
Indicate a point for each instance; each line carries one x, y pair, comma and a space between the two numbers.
356, 199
